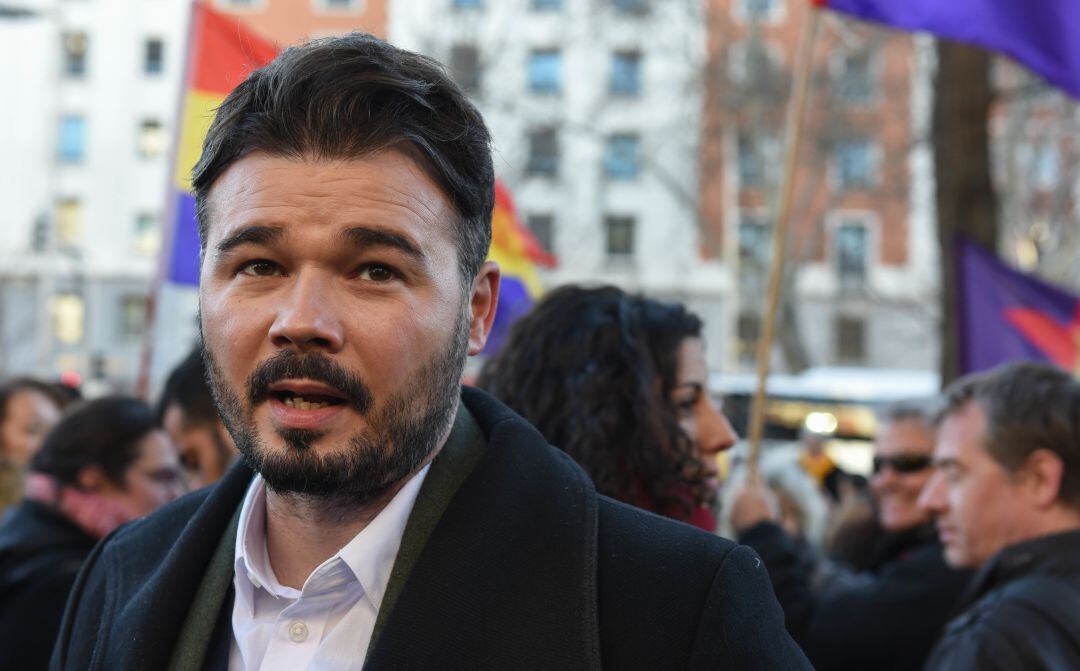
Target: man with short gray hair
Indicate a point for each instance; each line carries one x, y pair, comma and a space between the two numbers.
1006, 496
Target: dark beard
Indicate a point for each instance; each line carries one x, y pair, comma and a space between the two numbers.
401, 431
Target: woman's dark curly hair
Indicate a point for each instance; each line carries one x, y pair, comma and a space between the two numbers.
593, 370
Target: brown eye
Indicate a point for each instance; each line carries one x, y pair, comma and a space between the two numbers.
376, 273
260, 268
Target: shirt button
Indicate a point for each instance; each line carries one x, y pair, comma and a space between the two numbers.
298, 632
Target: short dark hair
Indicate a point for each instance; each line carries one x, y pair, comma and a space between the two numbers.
351, 96
105, 432
187, 388
593, 369
1028, 407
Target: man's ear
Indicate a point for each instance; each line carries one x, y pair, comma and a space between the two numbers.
1044, 472
482, 303
92, 478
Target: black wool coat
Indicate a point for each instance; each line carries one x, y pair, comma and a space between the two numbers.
40, 554
527, 568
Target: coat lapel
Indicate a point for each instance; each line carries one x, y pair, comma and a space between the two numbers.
146, 628
507, 578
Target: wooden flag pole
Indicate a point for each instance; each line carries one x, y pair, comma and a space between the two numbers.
793, 134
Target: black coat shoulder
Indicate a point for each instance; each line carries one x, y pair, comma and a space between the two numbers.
705, 596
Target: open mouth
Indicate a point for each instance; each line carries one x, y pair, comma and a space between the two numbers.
306, 401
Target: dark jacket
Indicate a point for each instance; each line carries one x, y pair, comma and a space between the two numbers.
527, 568
40, 554
1022, 611
885, 619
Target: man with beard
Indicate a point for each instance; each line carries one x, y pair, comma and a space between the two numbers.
384, 517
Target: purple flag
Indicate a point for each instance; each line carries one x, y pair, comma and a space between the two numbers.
1044, 35
1007, 315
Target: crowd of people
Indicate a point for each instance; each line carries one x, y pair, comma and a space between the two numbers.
353, 505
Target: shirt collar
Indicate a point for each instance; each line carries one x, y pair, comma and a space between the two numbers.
369, 555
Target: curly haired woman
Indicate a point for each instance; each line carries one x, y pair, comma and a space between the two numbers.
619, 382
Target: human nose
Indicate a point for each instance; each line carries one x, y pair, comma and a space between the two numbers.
307, 320
715, 433
932, 498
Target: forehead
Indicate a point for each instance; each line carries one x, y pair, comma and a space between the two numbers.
961, 434
307, 195
155, 448
692, 367
908, 436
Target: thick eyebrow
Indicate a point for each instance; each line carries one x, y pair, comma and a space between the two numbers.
362, 236
252, 235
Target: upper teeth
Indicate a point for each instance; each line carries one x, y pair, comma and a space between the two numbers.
299, 402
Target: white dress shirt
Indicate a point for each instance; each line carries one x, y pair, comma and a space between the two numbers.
328, 623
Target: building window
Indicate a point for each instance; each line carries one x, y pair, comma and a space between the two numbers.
465, 66
759, 11
154, 57
147, 235
546, 5
132, 317
75, 46
621, 157
69, 223
545, 71
619, 234
467, 4
850, 339
755, 244
631, 6
68, 314
626, 73
855, 163
857, 77
747, 332
759, 158
543, 152
542, 227
1045, 165
850, 248
152, 139
72, 144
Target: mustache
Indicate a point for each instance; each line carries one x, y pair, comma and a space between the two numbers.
287, 364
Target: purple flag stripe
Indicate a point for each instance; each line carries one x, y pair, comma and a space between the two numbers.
988, 289
1044, 35
514, 301
184, 255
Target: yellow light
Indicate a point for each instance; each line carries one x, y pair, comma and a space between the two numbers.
821, 422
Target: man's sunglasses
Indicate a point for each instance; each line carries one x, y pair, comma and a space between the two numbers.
902, 463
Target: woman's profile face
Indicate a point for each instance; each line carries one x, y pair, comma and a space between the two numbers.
699, 416
28, 417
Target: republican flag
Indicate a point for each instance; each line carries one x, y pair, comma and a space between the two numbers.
519, 255
1007, 315
1044, 35
221, 54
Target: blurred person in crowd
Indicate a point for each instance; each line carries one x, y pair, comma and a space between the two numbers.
384, 517
1006, 497
619, 382
104, 464
889, 616
186, 410
816, 461
802, 510
28, 409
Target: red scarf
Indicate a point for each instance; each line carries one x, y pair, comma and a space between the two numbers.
95, 514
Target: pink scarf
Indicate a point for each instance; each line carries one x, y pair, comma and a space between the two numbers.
95, 514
